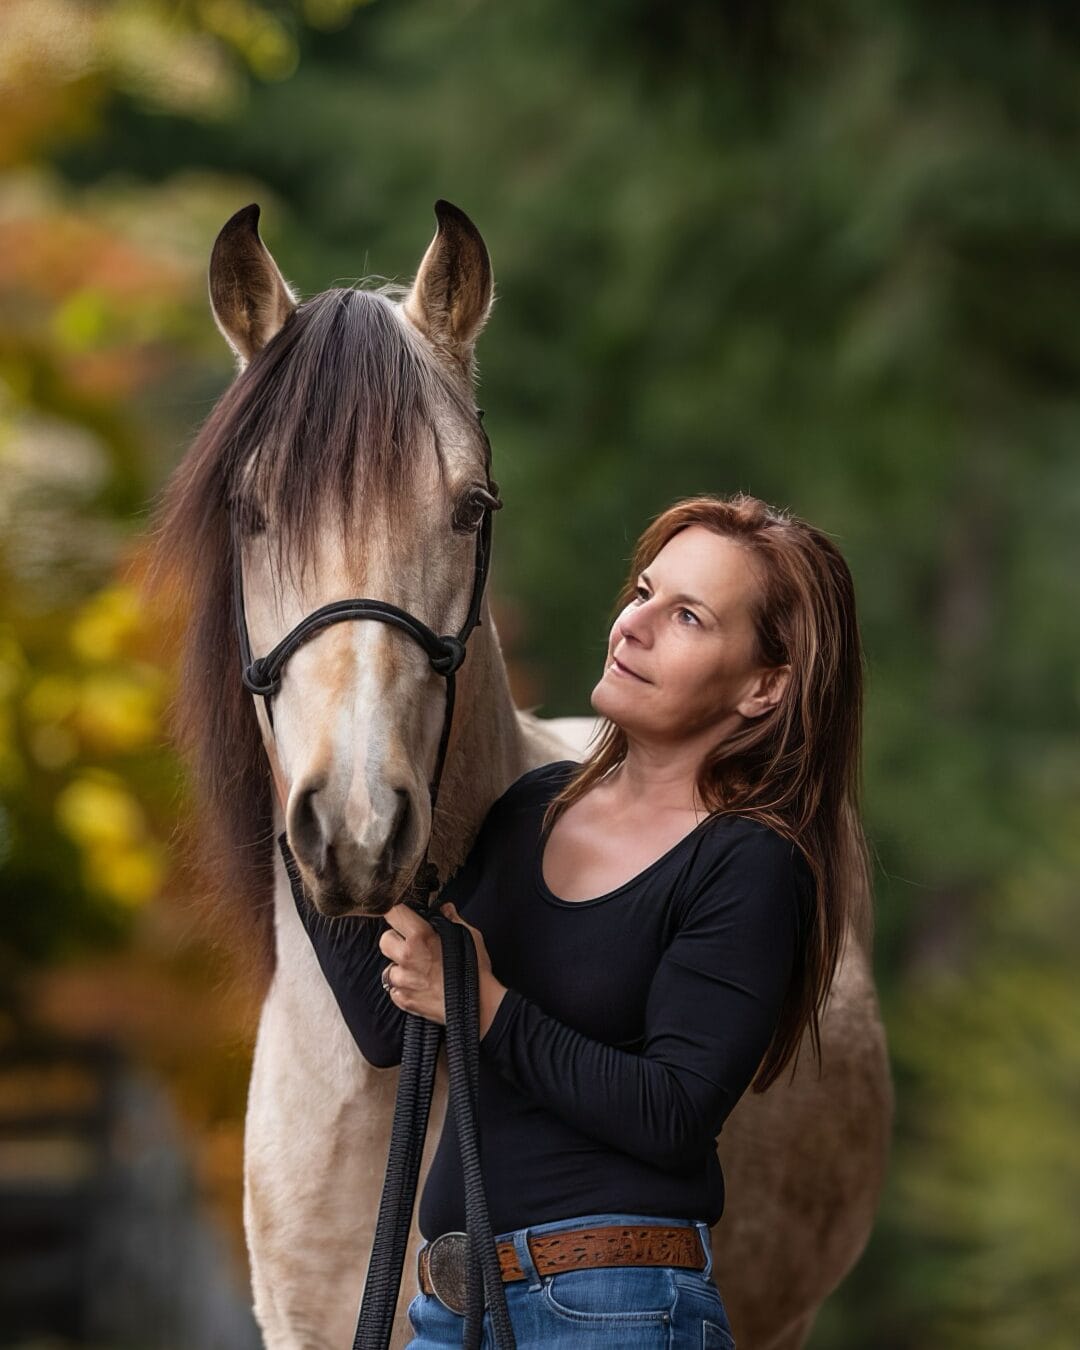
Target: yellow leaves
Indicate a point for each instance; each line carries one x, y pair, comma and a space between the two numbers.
53, 746
81, 323
267, 46
115, 709
52, 698
13, 672
120, 859
96, 809
50, 702
330, 14
12, 771
13, 663
118, 711
105, 621
130, 876
149, 50
60, 58
109, 704
45, 51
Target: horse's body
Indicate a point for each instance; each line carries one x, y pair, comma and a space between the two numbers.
803, 1162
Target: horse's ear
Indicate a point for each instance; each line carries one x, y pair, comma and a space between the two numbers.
453, 291
248, 295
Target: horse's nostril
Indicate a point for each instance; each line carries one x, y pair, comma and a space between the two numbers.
305, 829
401, 825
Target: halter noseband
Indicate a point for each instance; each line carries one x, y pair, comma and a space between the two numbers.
263, 675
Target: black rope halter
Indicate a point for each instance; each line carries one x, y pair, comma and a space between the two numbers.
422, 1038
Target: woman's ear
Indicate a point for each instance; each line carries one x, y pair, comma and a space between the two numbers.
767, 693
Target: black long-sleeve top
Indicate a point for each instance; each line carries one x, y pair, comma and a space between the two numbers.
632, 1022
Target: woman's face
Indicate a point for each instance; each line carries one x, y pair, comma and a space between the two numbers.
680, 660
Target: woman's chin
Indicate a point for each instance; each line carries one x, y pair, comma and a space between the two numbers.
606, 702
600, 698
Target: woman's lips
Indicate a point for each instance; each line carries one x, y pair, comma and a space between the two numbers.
628, 674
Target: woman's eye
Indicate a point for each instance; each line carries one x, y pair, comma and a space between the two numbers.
642, 594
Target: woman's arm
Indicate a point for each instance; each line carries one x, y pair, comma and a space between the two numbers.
348, 952
348, 948
711, 1011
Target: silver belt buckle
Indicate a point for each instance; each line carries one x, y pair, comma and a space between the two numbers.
447, 1262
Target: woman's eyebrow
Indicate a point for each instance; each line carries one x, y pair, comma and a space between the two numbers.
689, 599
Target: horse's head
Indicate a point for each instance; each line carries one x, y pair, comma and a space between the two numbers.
346, 459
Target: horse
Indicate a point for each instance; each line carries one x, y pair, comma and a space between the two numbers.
346, 458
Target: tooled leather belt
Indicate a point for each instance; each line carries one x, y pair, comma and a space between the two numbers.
441, 1263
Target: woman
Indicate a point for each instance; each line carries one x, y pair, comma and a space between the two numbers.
653, 927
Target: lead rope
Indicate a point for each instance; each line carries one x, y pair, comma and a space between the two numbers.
416, 1084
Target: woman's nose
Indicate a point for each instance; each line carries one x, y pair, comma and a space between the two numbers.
634, 623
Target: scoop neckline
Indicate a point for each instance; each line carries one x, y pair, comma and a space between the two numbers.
549, 894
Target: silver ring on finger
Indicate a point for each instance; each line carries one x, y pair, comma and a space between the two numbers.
384, 978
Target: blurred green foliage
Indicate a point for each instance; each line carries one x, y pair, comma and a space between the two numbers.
823, 254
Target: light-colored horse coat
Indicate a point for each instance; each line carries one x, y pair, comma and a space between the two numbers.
804, 1162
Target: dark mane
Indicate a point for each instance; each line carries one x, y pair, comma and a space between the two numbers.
332, 414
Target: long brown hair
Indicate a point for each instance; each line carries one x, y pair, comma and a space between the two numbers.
798, 767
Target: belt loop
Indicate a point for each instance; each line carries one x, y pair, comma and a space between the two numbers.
706, 1242
525, 1258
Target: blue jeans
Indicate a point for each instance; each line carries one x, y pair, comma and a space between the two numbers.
604, 1308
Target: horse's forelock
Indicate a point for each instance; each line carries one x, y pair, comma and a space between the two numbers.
332, 414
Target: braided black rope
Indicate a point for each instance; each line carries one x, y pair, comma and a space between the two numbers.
415, 1086
463, 1055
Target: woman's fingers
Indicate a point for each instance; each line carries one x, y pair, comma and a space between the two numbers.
392, 944
416, 953
401, 977
483, 960
415, 977
406, 921
408, 932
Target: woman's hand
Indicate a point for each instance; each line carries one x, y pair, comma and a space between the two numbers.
414, 979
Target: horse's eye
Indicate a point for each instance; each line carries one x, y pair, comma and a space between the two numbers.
470, 510
468, 514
